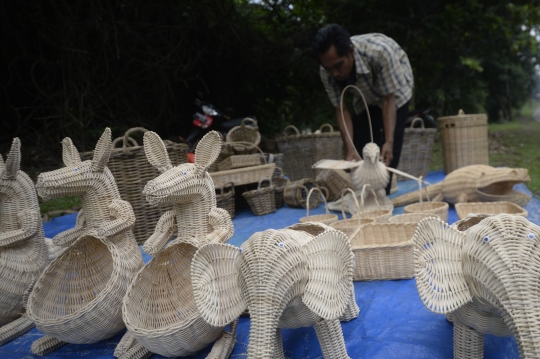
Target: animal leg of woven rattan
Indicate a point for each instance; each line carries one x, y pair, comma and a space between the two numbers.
352, 310
46, 345
124, 219
15, 329
278, 345
223, 347
65, 238
331, 339
468, 343
222, 226
29, 220
165, 228
450, 317
137, 351
126, 343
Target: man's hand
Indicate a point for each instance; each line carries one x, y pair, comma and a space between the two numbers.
387, 153
352, 155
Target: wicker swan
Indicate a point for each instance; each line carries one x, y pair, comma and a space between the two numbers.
485, 277
287, 278
23, 253
159, 308
78, 298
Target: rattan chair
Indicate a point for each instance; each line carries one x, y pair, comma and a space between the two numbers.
78, 297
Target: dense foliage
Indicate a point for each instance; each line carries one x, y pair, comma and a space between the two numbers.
71, 68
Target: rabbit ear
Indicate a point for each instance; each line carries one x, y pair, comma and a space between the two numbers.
70, 155
102, 151
13, 161
207, 150
214, 278
438, 266
156, 152
330, 274
2, 166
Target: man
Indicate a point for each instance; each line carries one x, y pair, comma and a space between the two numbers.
378, 66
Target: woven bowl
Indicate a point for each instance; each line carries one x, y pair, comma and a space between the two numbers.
438, 208
463, 209
411, 217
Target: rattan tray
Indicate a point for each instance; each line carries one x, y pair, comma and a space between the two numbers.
241, 176
463, 209
239, 161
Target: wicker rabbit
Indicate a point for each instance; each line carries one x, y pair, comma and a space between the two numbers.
23, 253
163, 287
78, 297
296, 277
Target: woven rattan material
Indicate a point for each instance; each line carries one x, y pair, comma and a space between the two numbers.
288, 279
46, 345
239, 161
279, 183
349, 226
477, 183
78, 298
468, 343
326, 218
263, 199
241, 176
464, 209
383, 251
494, 261
225, 198
436, 207
378, 214
295, 194
301, 151
23, 253
247, 132
416, 151
464, 140
333, 181
411, 217
131, 171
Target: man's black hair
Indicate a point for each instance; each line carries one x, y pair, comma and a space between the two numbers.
331, 35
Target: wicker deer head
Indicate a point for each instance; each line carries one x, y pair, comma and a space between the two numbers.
488, 271
23, 253
286, 278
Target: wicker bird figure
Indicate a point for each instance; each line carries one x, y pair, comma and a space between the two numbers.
78, 298
159, 307
476, 183
23, 253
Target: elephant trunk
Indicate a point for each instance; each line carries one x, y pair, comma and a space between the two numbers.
262, 335
526, 330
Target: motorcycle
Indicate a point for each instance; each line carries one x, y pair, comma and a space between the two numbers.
429, 121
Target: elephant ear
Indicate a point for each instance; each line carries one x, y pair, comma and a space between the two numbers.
216, 289
438, 266
330, 273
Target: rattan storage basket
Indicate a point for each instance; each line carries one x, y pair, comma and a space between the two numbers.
241, 176
383, 251
326, 218
379, 214
411, 217
463, 209
295, 194
239, 161
244, 133
464, 140
416, 151
279, 181
333, 181
225, 198
301, 151
350, 225
261, 200
435, 207
131, 170
276, 158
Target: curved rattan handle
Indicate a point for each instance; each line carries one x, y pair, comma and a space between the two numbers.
248, 120
323, 197
461, 112
118, 139
326, 125
355, 201
228, 184
420, 182
415, 120
374, 195
246, 143
261, 181
126, 137
289, 127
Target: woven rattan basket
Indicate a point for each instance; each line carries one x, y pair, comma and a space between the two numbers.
301, 151
242, 176
326, 218
350, 225
416, 151
295, 194
279, 181
379, 214
463, 209
239, 161
276, 158
244, 133
131, 171
411, 217
333, 181
435, 207
464, 140
383, 251
261, 200
225, 198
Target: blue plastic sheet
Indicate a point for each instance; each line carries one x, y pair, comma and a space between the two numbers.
393, 323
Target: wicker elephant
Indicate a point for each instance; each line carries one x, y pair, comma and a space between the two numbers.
485, 278
78, 298
23, 253
287, 278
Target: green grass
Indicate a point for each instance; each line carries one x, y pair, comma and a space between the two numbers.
59, 204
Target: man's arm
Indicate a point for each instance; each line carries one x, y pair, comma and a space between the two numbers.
389, 123
351, 152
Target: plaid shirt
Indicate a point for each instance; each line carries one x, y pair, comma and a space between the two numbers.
382, 68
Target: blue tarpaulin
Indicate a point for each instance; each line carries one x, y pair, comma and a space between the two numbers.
393, 323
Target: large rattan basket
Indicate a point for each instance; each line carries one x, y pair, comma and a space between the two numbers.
248, 133
416, 151
383, 251
464, 140
301, 151
326, 218
131, 170
464, 209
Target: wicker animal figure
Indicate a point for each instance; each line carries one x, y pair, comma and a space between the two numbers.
486, 277
476, 183
163, 287
78, 298
23, 253
286, 278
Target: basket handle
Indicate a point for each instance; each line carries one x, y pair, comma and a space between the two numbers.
461, 112
326, 125
126, 138
226, 185
420, 182
248, 120
417, 119
261, 181
374, 195
323, 197
291, 127
246, 143
130, 139
355, 201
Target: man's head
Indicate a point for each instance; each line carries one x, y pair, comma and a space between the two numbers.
333, 48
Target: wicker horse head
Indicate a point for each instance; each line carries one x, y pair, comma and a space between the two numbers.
164, 286
287, 278
23, 253
78, 299
488, 272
